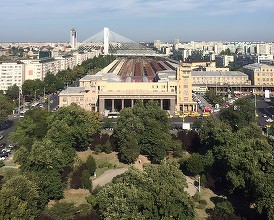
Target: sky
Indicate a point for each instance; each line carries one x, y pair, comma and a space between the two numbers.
138, 20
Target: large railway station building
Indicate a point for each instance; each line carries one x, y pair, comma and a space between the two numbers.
127, 80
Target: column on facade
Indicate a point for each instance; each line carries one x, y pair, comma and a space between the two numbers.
123, 103
172, 106
161, 103
132, 103
112, 105
101, 105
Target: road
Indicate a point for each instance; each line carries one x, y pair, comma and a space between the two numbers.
264, 108
107, 177
8, 127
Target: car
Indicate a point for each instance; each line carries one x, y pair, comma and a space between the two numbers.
2, 136
194, 114
264, 115
269, 120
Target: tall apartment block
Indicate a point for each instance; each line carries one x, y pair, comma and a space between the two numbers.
11, 73
73, 38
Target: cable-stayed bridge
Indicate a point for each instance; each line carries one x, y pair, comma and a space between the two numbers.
116, 44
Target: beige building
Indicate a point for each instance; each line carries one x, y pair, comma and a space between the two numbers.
260, 74
106, 92
220, 78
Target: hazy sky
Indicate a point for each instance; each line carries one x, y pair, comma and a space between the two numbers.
139, 20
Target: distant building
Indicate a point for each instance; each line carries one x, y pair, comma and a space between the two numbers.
260, 74
11, 73
224, 60
73, 38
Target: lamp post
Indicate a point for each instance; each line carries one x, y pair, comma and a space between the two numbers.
19, 100
255, 103
199, 184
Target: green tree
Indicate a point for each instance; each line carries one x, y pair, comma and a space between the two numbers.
86, 182
30, 88
62, 210
194, 164
226, 52
155, 193
223, 208
13, 92
59, 134
52, 83
82, 124
240, 114
91, 165
6, 106
19, 199
148, 126
30, 128
49, 184
42, 155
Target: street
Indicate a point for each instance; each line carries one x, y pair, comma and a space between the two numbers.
264, 108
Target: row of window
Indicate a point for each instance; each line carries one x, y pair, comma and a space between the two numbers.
265, 74
266, 79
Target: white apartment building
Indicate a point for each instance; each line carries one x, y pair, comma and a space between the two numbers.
33, 70
51, 65
264, 49
11, 73
259, 58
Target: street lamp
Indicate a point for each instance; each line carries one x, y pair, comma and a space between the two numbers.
199, 184
19, 99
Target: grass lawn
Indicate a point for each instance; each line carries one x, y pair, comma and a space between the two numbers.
205, 194
77, 196
104, 161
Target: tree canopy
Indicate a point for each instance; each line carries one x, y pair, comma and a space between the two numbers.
19, 199
143, 129
82, 124
155, 193
243, 157
6, 106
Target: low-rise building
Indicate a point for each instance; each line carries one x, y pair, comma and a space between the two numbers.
260, 74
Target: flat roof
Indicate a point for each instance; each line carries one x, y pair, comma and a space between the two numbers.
72, 90
217, 73
90, 77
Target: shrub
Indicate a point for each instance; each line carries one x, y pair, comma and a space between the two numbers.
223, 208
76, 179
91, 199
203, 202
86, 182
2, 163
196, 197
91, 165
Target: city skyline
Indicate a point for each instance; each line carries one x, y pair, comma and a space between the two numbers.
139, 20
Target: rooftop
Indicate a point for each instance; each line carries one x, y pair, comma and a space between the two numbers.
72, 90
217, 73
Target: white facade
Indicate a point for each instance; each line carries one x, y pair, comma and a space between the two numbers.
33, 70
259, 58
73, 38
11, 73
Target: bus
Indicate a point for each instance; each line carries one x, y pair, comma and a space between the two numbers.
113, 114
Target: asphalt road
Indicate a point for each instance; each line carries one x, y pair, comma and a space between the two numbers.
264, 108
8, 127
